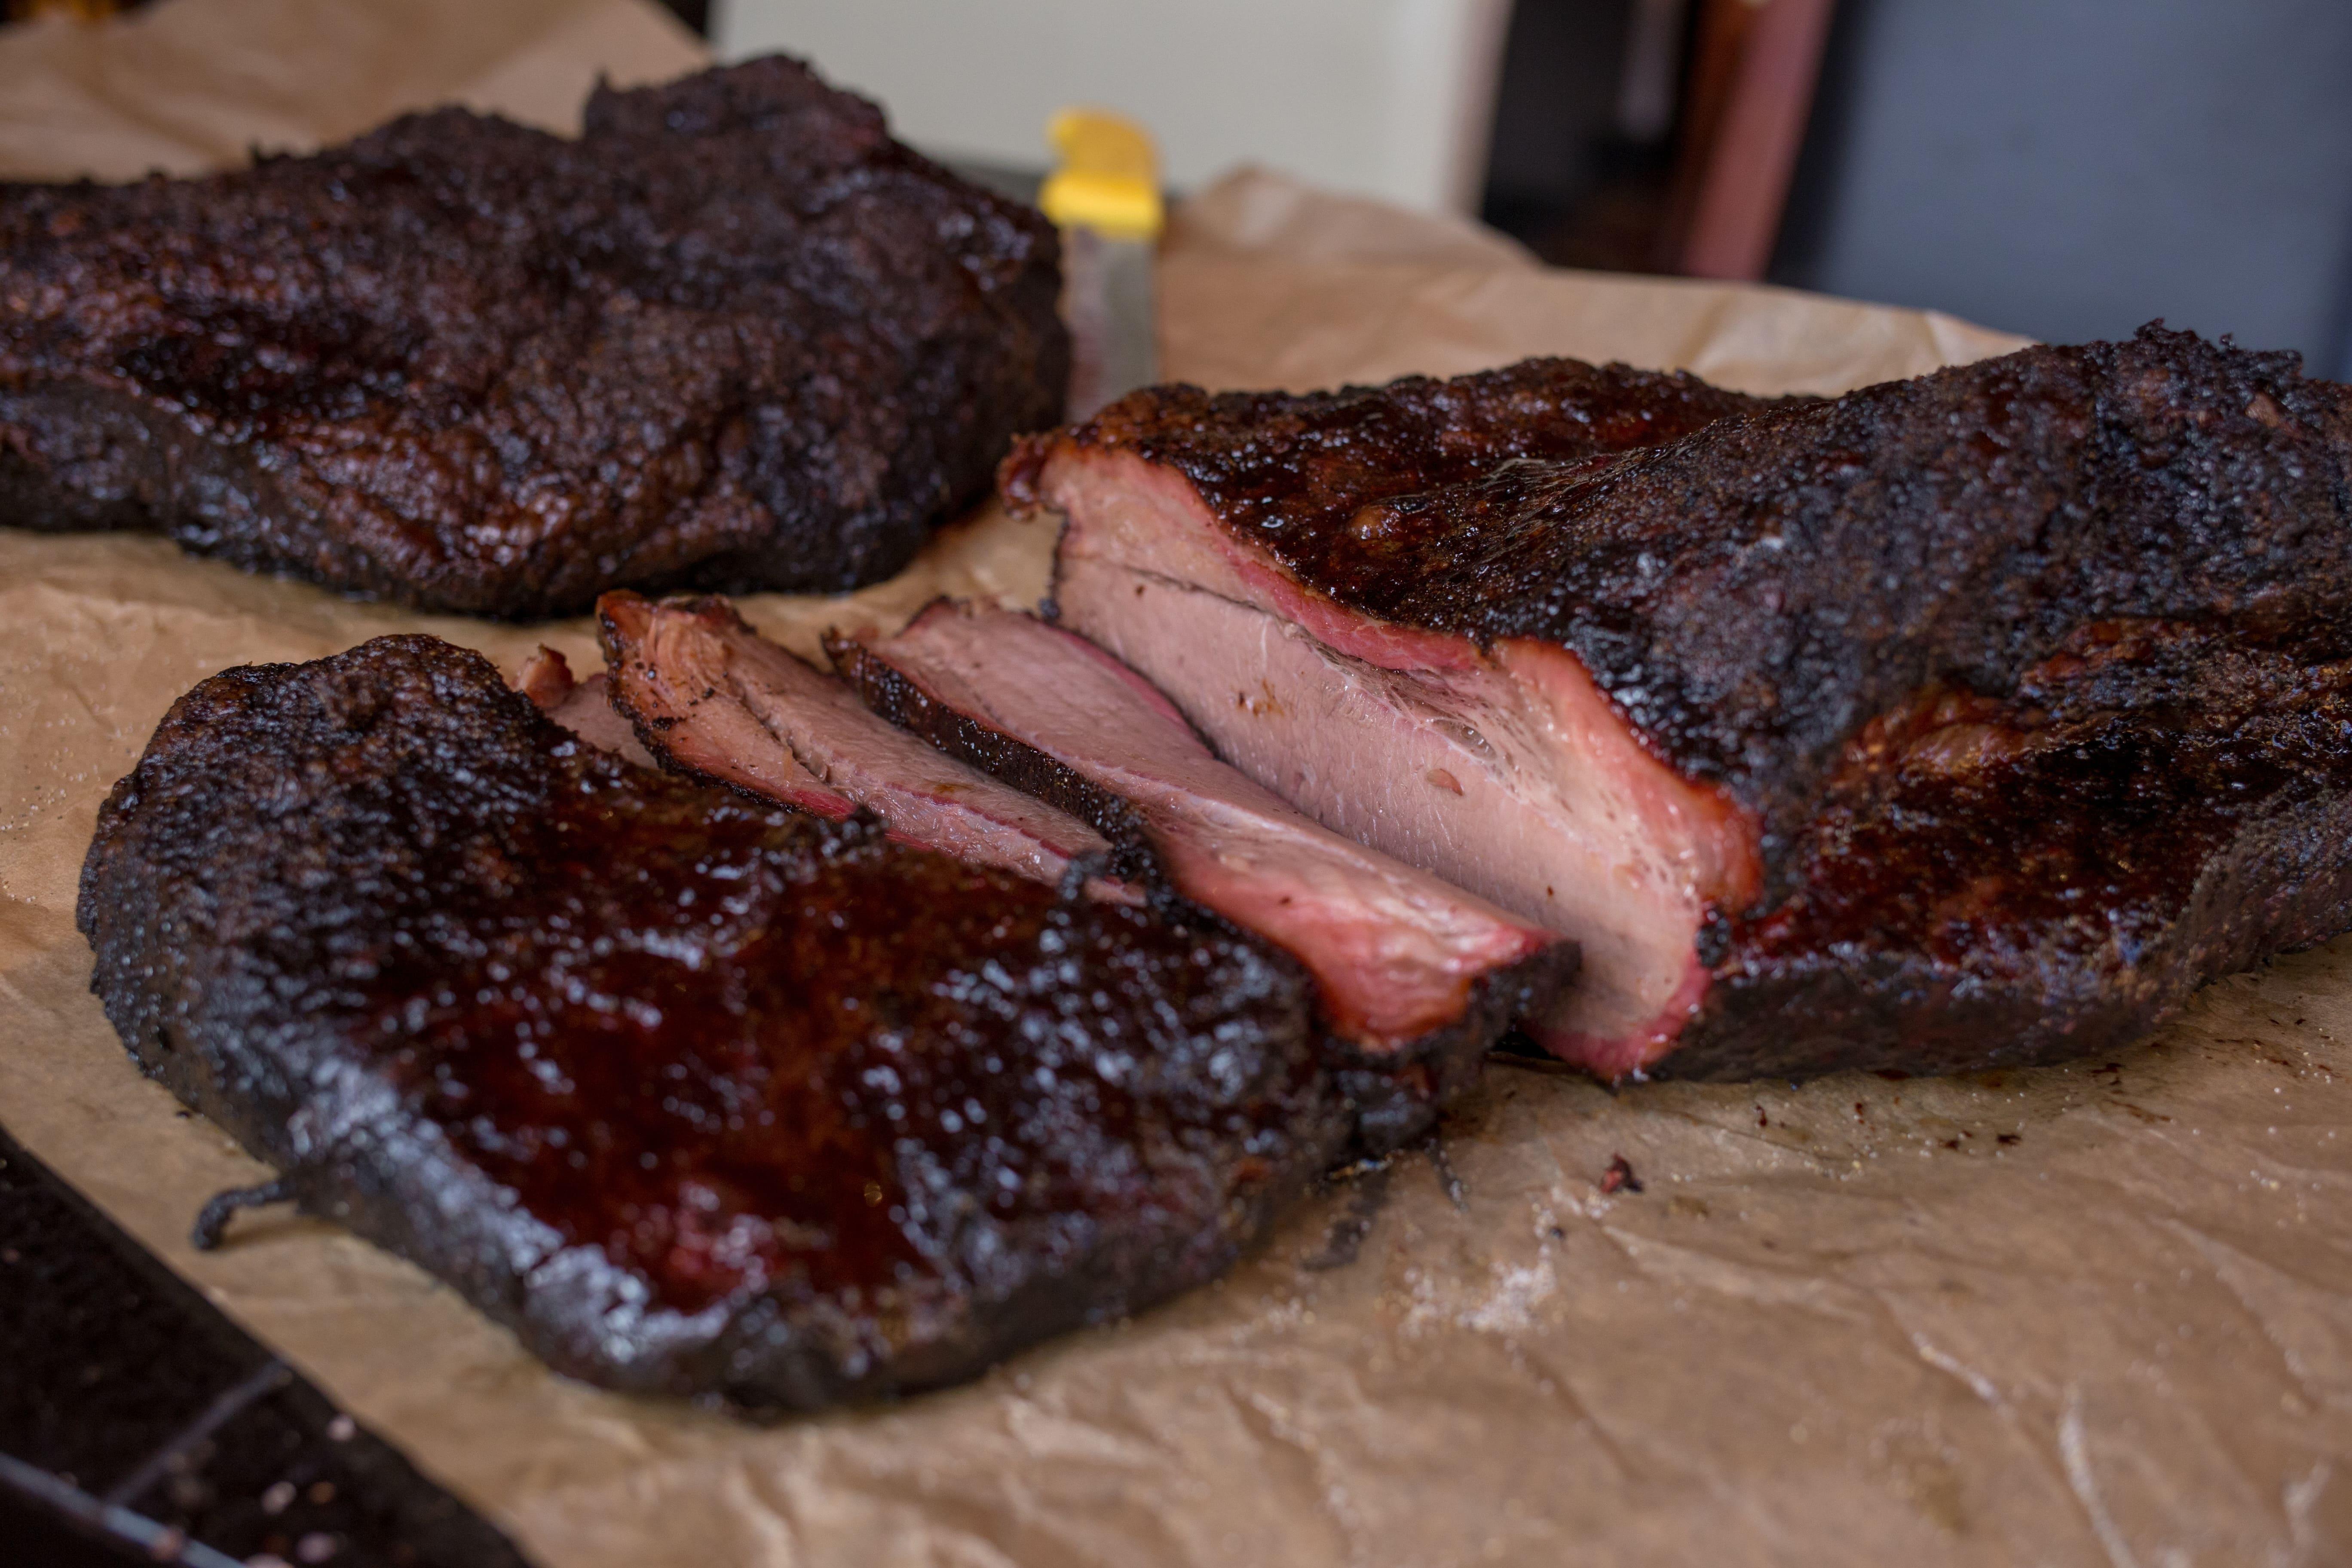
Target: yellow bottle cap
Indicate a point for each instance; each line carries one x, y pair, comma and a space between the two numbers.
1107, 177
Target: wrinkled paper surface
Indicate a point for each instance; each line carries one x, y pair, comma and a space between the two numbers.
2098, 1314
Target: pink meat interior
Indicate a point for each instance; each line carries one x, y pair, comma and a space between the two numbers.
1506, 772
1393, 950
583, 707
728, 703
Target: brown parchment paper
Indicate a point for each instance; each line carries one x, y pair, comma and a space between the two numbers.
2099, 1314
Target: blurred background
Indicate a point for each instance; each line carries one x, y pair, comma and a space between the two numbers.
2065, 168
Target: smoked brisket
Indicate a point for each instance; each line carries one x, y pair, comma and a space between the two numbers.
732, 336
1414, 979
1977, 717
712, 699
700, 1095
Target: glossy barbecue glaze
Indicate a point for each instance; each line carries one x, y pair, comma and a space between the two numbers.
702, 1097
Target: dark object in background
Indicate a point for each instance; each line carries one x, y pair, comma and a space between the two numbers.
1971, 719
124, 1385
2071, 168
1652, 135
1754, 67
733, 337
699, 1096
1582, 154
2065, 168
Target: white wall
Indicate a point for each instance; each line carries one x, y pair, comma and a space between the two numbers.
1386, 97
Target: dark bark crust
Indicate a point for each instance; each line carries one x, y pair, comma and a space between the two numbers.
2004, 881
732, 337
700, 1098
1394, 1096
1752, 592
1294, 471
2030, 672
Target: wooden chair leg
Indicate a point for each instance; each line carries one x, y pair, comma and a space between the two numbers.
1751, 93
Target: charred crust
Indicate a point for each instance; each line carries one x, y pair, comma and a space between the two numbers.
468, 320
1713, 939
2006, 881
328, 894
211, 1221
1398, 1095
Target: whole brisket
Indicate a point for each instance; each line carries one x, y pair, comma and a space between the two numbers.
1980, 717
732, 336
699, 1095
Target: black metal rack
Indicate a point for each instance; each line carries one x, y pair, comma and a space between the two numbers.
139, 1425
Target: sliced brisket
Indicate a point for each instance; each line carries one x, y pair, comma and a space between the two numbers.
699, 1095
1645, 680
1415, 978
583, 707
732, 336
714, 700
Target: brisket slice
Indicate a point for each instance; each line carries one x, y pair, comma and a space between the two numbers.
700, 1096
733, 336
583, 707
1652, 696
1414, 978
714, 700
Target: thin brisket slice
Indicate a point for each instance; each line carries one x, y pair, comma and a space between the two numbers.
1414, 978
583, 707
732, 336
714, 700
1779, 708
700, 1095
